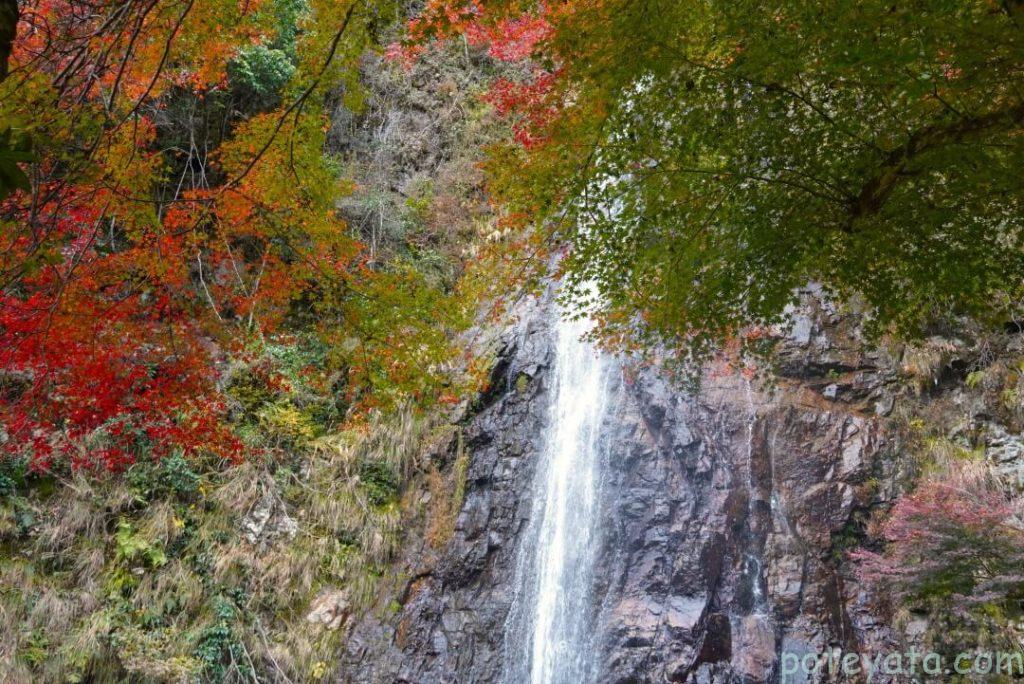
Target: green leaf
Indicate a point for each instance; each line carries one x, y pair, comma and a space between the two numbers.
14, 150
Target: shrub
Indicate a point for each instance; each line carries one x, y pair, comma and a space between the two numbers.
13, 472
171, 475
379, 481
260, 72
133, 548
287, 426
218, 646
177, 476
956, 538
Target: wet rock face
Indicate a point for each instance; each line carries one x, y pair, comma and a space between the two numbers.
722, 525
451, 624
724, 517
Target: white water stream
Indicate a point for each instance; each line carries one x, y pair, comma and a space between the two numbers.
548, 638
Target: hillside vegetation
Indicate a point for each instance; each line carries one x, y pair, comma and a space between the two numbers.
252, 256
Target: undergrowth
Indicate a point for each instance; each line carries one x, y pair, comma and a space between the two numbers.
161, 575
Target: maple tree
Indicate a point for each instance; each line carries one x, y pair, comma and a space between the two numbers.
703, 161
958, 537
171, 224
8, 30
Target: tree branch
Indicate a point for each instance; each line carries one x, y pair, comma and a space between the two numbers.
874, 193
9, 15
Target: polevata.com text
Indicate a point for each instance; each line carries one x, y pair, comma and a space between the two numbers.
795, 666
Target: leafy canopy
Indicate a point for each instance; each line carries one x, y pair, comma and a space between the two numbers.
703, 159
177, 210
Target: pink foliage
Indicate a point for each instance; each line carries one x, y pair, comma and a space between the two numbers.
958, 536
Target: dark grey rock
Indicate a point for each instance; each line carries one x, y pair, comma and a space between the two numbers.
719, 516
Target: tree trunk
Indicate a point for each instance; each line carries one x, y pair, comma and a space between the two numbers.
8, 30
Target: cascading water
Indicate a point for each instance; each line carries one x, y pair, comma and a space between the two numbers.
549, 629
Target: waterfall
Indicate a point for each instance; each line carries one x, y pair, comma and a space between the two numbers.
549, 630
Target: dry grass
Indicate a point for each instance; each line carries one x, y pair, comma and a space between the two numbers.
74, 606
924, 362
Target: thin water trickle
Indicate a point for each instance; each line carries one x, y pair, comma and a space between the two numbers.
752, 563
549, 630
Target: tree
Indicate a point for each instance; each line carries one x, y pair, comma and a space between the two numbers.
172, 223
703, 160
8, 31
957, 538
12, 151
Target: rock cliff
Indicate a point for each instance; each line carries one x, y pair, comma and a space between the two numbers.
725, 517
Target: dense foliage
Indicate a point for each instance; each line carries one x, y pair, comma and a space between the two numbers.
178, 213
190, 301
958, 538
702, 160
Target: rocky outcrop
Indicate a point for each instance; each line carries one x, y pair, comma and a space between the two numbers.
455, 603
268, 520
725, 516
